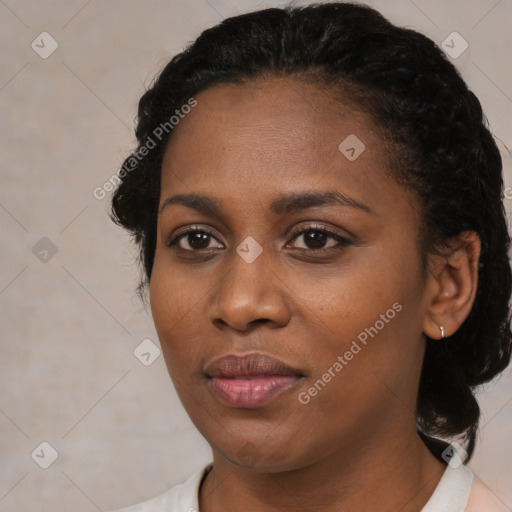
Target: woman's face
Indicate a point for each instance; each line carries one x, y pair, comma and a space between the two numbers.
328, 285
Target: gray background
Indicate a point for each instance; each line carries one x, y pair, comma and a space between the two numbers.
71, 321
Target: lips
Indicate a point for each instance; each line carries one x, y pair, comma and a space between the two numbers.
251, 380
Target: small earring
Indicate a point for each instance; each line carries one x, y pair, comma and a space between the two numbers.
442, 331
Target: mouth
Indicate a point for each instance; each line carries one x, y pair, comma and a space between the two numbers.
251, 380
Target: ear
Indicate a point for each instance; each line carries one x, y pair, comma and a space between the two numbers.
451, 285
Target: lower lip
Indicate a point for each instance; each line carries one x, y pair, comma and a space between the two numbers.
250, 392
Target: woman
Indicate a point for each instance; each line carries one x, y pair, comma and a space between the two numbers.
318, 206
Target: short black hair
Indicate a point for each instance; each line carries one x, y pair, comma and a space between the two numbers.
439, 145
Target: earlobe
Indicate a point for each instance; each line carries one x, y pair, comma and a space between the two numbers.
452, 285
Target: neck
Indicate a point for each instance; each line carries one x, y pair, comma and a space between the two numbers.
383, 475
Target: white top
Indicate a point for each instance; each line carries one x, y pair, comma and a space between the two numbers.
457, 491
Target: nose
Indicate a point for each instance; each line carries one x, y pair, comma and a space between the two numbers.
249, 294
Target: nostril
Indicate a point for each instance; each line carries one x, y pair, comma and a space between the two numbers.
260, 321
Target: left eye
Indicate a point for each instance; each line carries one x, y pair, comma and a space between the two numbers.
316, 238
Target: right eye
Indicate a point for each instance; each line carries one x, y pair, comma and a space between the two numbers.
196, 238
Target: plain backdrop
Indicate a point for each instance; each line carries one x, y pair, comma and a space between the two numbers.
70, 320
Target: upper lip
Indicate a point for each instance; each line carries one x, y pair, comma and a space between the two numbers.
252, 364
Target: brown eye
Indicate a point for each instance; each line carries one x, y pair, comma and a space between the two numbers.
196, 239
315, 237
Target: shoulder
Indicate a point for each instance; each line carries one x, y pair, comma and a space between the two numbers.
180, 498
483, 499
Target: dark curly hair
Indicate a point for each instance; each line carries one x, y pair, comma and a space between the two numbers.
438, 143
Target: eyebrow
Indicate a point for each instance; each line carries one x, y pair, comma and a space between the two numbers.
281, 205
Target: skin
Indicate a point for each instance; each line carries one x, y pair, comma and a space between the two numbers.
354, 446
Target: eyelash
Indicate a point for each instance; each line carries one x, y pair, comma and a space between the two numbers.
342, 242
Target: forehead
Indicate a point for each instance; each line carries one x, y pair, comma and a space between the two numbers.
272, 134
282, 111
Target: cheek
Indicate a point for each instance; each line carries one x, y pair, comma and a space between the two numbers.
171, 309
164, 306
343, 302
368, 317
172, 294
